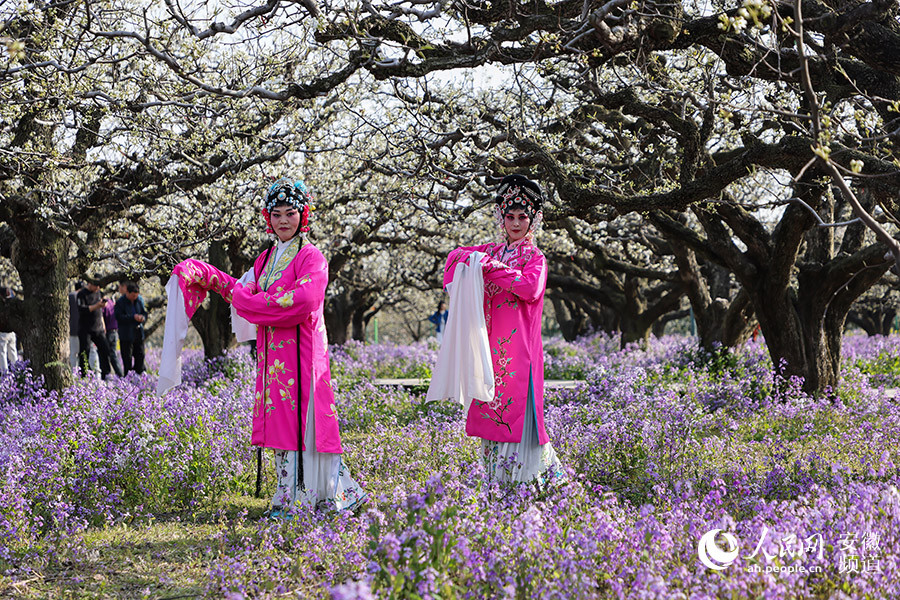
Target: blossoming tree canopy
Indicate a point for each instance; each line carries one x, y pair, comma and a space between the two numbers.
695, 120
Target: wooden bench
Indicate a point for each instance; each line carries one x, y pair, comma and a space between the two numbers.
549, 384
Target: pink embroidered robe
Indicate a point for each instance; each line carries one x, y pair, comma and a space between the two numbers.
287, 307
513, 305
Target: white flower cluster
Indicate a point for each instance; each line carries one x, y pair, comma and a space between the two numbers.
736, 24
757, 11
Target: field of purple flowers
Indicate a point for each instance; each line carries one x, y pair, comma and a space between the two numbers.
107, 491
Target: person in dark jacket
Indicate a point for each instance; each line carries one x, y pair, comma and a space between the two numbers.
90, 301
74, 345
131, 316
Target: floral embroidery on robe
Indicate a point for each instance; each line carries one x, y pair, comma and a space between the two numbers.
289, 298
290, 295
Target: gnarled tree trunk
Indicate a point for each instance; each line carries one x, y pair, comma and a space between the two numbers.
639, 312
39, 255
718, 320
337, 317
874, 321
213, 322
802, 323
805, 328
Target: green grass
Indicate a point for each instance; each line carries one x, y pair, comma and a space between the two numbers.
163, 558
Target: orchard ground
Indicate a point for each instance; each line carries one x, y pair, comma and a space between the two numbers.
107, 491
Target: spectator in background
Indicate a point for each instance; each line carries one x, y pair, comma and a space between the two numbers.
439, 319
74, 346
131, 315
90, 302
8, 353
112, 335
73, 325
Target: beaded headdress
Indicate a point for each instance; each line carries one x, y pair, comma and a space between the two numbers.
517, 191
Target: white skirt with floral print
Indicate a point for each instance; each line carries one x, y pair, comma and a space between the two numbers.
327, 482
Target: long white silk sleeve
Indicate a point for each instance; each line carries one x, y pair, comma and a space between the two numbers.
464, 370
173, 339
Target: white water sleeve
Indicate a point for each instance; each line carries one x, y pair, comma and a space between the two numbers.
173, 338
464, 370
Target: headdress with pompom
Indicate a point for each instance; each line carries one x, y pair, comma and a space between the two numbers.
287, 192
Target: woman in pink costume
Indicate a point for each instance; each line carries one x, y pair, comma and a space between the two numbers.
293, 408
515, 445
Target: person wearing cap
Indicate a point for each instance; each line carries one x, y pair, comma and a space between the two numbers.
283, 295
515, 446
